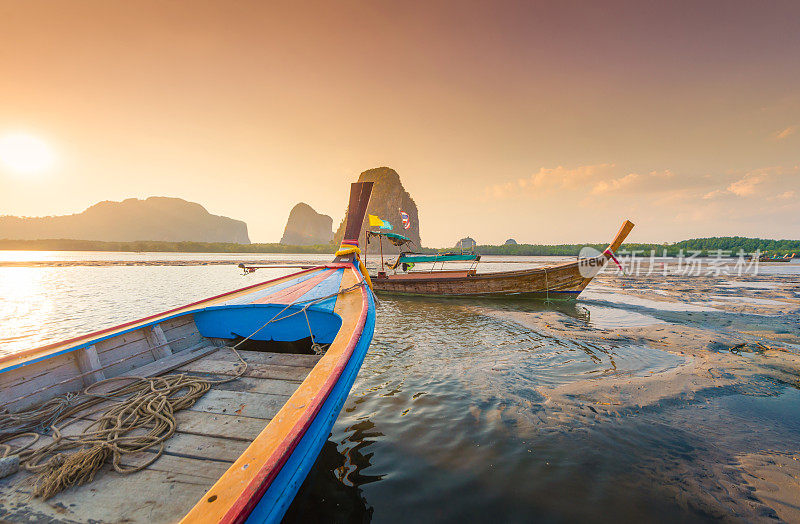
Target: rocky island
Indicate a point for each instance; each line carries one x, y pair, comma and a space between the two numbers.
389, 197
306, 227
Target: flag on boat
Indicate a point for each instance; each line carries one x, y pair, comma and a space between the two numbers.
374, 221
406, 220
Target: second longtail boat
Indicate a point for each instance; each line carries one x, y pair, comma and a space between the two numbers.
558, 281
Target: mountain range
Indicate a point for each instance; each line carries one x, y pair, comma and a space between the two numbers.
154, 218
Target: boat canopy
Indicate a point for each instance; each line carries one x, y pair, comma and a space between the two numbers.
394, 238
412, 258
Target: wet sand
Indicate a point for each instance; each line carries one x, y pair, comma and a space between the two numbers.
691, 318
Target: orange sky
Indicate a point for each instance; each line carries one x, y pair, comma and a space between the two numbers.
546, 122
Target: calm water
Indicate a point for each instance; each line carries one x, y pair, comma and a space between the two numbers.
447, 420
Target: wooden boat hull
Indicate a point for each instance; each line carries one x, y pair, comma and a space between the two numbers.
556, 282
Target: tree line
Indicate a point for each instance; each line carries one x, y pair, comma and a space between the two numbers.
705, 246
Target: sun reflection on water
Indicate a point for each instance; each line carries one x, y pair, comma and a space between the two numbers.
27, 256
24, 308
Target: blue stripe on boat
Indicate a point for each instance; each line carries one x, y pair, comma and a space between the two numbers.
329, 286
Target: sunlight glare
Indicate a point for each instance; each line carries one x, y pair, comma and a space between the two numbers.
25, 154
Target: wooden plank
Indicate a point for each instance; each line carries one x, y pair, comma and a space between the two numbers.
173, 466
253, 385
205, 447
182, 336
110, 358
264, 357
175, 322
157, 339
191, 421
220, 425
220, 367
44, 368
37, 382
242, 403
176, 360
131, 337
146, 496
179, 329
88, 361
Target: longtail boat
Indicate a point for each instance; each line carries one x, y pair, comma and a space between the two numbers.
776, 258
210, 412
559, 281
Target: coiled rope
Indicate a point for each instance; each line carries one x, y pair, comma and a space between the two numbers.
142, 417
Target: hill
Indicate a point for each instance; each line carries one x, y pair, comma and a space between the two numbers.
155, 218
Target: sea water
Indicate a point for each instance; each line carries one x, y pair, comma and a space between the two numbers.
453, 416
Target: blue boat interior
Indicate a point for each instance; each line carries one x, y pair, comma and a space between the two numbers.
269, 323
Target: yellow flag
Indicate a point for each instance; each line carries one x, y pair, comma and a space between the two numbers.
375, 221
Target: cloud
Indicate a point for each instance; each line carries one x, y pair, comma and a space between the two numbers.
591, 184
586, 181
775, 182
546, 181
785, 133
671, 204
747, 185
605, 186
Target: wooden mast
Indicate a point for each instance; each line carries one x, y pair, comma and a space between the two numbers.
356, 210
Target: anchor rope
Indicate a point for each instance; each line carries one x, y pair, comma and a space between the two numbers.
546, 287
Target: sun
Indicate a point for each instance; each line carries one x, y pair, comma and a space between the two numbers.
25, 154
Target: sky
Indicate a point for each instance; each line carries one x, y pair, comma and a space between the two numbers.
548, 122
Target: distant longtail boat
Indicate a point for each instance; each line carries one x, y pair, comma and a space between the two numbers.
558, 281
